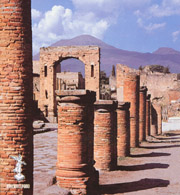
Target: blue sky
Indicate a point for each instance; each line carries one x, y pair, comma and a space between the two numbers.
135, 25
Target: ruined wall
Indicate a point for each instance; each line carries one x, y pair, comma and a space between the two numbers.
69, 79
51, 57
36, 67
159, 85
36, 87
16, 140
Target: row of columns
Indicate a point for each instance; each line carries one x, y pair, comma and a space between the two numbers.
86, 145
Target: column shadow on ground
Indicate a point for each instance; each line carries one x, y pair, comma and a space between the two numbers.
167, 138
152, 154
142, 167
142, 184
159, 147
165, 141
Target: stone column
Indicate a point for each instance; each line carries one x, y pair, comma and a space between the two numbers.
16, 140
148, 120
75, 169
123, 129
158, 109
128, 91
104, 135
142, 113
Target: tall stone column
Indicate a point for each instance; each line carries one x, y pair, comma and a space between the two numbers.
142, 113
123, 129
16, 140
75, 169
128, 84
148, 112
104, 135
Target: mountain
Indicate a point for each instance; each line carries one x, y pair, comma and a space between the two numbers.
111, 55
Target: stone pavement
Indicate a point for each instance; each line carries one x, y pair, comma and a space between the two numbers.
154, 168
45, 152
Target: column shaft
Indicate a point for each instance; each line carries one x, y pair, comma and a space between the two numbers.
123, 129
74, 159
142, 114
16, 139
148, 103
104, 135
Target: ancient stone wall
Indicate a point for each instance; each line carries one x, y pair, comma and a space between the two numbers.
50, 59
159, 85
16, 140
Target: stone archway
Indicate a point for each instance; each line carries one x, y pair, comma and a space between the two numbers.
50, 57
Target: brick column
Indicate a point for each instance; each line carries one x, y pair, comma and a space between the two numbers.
123, 129
142, 113
148, 120
104, 135
154, 122
16, 140
158, 109
128, 91
75, 169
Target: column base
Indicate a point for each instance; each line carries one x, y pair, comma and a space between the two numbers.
80, 185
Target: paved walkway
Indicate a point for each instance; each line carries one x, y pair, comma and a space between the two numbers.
154, 168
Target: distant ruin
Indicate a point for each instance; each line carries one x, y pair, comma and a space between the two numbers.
50, 59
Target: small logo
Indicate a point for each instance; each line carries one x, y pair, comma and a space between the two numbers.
18, 169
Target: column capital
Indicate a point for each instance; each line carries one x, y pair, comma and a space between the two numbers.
124, 105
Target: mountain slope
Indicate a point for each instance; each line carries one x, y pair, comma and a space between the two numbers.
111, 55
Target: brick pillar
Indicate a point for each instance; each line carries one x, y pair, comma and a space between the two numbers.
158, 109
154, 122
104, 135
142, 113
148, 120
123, 129
75, 169
128, 91
16, 140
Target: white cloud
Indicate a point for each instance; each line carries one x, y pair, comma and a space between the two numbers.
175, 35
35, 14
164, 9
87, 17
154, 26
60, 23
150, 27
